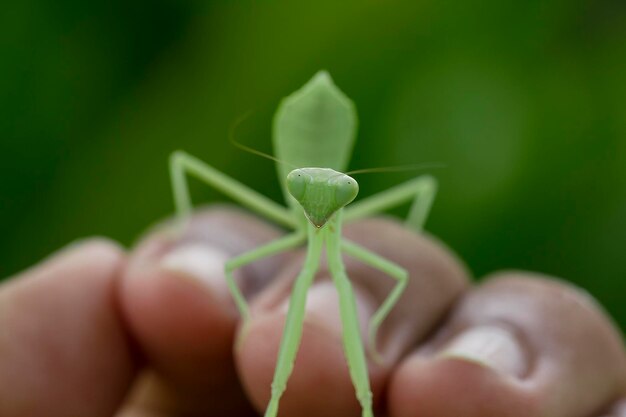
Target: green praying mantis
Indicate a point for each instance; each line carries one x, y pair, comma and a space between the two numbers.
314, 130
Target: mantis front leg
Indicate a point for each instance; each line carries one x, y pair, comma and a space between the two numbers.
393, 270
421, 189
292, 332
353, 345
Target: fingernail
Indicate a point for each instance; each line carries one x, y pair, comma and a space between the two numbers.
203, 263
491, 346
84, 242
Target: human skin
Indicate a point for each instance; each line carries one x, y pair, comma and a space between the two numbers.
95, 331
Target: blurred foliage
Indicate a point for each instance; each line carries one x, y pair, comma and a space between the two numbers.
525, 102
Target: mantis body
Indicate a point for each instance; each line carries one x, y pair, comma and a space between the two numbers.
314, 130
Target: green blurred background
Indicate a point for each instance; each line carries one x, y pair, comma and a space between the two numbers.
524, 101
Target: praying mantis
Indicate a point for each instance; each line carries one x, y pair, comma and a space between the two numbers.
314, 130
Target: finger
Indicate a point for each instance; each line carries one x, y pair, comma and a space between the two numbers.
63, 350
519, 345
176, 300
320, 384
617, 410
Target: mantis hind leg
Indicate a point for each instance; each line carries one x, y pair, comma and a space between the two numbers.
421, 189
182, 164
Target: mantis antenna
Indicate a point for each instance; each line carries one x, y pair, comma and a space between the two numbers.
231, 136
398, 168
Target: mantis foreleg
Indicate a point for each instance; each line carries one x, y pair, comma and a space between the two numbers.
353, 345
421, 189
292, 332
182, 163
388, 267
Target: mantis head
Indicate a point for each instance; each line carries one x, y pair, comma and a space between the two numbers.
321, 192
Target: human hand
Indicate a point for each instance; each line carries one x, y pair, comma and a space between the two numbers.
95, 332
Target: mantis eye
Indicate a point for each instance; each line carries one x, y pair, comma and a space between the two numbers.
296, 184
346, 191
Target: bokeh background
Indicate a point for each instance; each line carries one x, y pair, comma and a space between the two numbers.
524, 101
